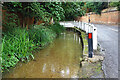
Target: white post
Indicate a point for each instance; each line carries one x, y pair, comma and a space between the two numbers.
94, 38
89, 28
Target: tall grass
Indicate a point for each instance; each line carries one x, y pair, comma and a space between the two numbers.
41, 35
16, 47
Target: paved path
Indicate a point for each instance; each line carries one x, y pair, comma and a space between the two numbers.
108, 39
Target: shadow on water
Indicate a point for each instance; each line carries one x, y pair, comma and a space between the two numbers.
61, 59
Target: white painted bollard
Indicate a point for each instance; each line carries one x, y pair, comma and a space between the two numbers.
89, 30
94, 38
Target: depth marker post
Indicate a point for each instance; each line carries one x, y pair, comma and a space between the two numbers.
90, 45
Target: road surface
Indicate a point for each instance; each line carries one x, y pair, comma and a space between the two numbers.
108, 39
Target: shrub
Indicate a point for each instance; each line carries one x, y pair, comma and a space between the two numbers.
57, 28
41, 35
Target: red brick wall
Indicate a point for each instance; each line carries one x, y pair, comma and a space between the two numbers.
105, 18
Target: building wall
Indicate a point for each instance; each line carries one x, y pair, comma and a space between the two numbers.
105, 18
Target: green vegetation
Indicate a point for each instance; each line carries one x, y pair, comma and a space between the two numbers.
115, 4
19, 39
15, 46
73, 10
18, 43
57, 10
10, 21
96, 7
57, 28
39, 10
41, 35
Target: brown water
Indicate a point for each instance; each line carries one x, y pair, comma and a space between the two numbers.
61, 59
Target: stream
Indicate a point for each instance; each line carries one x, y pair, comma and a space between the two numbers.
61, 59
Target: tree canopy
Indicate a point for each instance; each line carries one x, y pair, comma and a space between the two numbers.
115, 4
96, 7
58, 10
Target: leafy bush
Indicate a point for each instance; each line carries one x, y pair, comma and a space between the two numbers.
57, 28
41, 35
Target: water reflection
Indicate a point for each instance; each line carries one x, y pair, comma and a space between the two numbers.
79, 40
74, 37
68, 71
44, 68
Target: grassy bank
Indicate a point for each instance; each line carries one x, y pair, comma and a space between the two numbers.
18, 43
